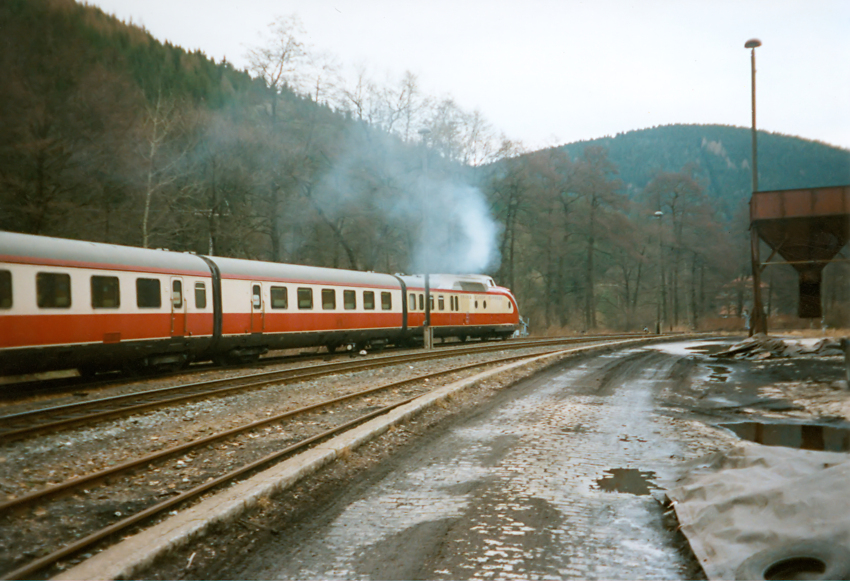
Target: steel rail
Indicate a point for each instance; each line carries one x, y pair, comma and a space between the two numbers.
27, 570
14, 390
161, 454
25, 424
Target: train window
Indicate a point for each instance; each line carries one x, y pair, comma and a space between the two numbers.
510, 307
349, 299
421, 302
53, 290
432, 302
368, 300
177, 294
476, 304
441, 303
148, 295
305, 298
105, 293
386, 301
328, 299
278, 297
411, 302
257, 297
5, 289
473, 287
200, 295
485, 304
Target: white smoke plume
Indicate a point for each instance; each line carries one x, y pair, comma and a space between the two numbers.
458, 234
446, 222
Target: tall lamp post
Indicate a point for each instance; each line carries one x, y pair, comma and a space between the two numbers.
658, 215
752, 44
759, 324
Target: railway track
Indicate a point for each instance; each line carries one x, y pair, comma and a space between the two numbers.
39, 421
14, 389
149, 477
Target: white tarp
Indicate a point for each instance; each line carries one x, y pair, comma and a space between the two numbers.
759, 497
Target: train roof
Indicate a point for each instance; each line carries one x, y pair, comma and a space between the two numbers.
44, 250
464, 282
237, 268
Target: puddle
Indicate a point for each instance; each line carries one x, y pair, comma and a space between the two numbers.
628, 480
719, 373
801, 436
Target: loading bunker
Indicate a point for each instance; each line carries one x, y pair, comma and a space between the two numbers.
808, 228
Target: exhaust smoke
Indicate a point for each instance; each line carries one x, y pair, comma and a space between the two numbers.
458, 234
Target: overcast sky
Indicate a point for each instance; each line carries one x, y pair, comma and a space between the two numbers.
548, 72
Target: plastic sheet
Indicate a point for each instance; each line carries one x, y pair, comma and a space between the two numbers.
754, 498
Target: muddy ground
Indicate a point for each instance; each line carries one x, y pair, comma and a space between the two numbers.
701, 393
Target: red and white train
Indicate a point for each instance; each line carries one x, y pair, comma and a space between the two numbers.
68, 304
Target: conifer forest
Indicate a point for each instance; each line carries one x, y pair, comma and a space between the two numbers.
110, 135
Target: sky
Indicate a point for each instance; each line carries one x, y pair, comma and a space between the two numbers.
548, 72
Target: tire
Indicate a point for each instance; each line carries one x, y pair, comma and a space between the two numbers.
811, 559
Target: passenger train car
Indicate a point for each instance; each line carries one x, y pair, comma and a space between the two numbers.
71, 304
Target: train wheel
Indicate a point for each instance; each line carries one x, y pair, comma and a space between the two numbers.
135, 368
87, 371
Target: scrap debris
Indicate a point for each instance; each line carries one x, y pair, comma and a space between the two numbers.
761, 346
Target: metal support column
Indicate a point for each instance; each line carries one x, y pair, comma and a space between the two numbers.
758, 320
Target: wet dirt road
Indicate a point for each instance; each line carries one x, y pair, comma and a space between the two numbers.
549, 479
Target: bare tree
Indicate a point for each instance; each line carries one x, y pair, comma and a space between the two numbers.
592, 183
507, 194
160, 126
357, 99
280, 60
678, 195
321, 77
463, 137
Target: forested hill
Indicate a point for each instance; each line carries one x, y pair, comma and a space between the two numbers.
108, 134
61, 44
720, 156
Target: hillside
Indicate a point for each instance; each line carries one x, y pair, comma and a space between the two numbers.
58, 42
108, 134
721, 159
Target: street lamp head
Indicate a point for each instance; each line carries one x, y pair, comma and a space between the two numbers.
658, 214
752, 43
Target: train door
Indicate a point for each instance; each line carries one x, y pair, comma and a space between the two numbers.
258, 314
178, 308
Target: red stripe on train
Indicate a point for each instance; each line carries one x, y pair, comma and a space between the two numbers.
54, 329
